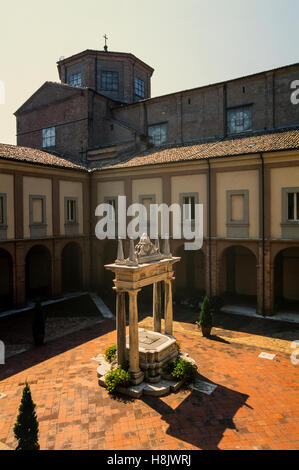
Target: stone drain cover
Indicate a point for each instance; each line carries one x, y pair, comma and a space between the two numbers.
204, 387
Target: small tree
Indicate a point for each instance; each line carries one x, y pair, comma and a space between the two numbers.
26, 427
205, 316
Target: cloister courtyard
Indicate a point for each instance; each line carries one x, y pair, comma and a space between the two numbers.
254, 406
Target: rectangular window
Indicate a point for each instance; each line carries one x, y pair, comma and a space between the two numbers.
2, 209
293, 206
37, 216
158, 134
109, 81
237, 213
71, 224
37, 210
3, 220
189, 202
75, 79
239, 120
237, 207
139, 87
71, 210
146, 200
48, 137
112, 212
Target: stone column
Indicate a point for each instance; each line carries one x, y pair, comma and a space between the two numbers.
121, 327
20, 275
260, 281
56, 268
215, 269
168, 315
137, 375
269, 281
157, 307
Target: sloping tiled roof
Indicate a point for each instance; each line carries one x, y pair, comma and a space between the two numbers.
228, 147
38, 157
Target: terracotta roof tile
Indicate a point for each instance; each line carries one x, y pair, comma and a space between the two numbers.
38, 157
228, 147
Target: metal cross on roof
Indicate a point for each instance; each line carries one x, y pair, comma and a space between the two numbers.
105, 47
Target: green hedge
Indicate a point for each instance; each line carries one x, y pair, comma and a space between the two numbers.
181, 369
117, 377
110, 353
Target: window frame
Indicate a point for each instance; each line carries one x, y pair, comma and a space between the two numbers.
153, 201
3, 224
295, 208
284, 197
106, 81
3, 197
71, 227
68, 199
37, 229
236, 109
237, 228
75, 80
182, 197
160, 124
48, 138
139, 84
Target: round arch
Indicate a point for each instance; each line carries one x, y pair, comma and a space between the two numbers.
190, 272
38, 272
71, 267
286, 279
238, 275
6, 280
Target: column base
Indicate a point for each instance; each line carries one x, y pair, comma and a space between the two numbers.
137, 377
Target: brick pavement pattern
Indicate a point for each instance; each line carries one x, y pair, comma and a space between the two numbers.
255, 404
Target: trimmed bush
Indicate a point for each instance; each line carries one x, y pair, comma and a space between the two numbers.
26, 427
117, 377
181, 369
110, 353
205, 316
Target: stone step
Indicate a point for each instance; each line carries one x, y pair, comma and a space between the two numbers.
157, 390
103, 369
153, 380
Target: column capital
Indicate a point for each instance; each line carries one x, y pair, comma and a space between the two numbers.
133, 291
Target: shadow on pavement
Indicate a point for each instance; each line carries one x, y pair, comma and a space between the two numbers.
201, 420
39, 354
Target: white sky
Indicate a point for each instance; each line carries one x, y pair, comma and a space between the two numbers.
189, 43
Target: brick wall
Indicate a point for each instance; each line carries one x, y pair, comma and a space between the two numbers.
190, 115
70, 118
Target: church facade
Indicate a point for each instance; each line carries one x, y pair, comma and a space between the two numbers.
98, 134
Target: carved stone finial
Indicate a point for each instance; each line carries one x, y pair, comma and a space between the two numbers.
166, 248
132, 260
120, 253
157, 245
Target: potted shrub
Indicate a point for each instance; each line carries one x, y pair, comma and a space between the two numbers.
39, 323
205, 317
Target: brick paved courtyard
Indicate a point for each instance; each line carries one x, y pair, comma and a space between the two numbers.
255, 405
